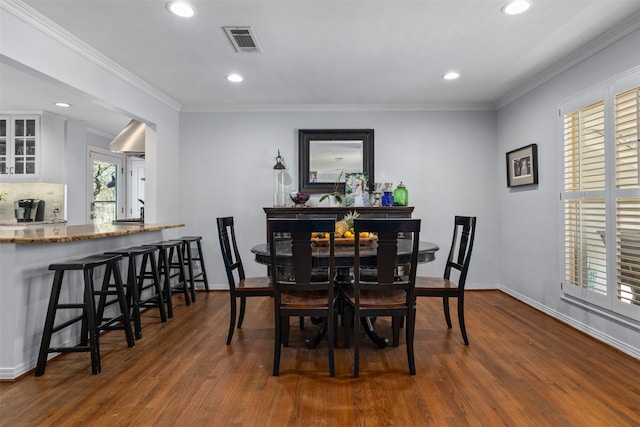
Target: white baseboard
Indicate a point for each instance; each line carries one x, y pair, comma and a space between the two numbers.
599, 335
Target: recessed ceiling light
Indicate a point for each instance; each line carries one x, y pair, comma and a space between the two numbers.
63, 104
515, 7
181, 8
234, 77
451, 75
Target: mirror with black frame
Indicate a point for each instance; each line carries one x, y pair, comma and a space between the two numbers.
326, 155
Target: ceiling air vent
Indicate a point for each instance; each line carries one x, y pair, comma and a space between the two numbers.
243, 39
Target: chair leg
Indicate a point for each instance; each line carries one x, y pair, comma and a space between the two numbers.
277, 345
330, 332
157, 282
463, 329
92, 328
232, 318
163, 265
187, 257
133, 295
410, 333
396, 323
48, 324
202, 267
284, 331
347, 318
335, 325
447, 316
356, 344
182, 276
243, 306
117, 275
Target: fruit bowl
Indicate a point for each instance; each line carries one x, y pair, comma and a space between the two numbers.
299, 198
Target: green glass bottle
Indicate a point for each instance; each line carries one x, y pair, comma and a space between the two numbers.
401, 195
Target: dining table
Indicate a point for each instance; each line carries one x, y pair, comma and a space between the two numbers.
344, 262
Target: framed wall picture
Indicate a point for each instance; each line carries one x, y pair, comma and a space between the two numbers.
522, 166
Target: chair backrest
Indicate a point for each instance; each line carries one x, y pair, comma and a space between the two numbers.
387, 231
295, 260
229, 249
464, 232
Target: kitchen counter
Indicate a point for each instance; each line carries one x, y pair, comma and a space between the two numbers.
25, 280
13, 222
69, 233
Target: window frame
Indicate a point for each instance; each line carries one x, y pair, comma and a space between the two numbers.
605, 92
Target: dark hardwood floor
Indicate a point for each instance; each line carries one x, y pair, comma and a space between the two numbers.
522, 368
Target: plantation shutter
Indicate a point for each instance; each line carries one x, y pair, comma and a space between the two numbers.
627, 140
584, 203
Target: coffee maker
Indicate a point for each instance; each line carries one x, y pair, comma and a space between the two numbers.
29, 210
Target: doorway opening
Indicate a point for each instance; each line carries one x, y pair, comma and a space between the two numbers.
105, 181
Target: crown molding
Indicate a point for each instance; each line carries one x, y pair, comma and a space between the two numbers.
257, 108
38, 21
609, 37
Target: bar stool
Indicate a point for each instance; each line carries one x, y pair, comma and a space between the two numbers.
136, 285
190, 259
92, 319
176, 262
167, 250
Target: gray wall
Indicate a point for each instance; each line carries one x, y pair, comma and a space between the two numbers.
446, 160
530, 217
452, 163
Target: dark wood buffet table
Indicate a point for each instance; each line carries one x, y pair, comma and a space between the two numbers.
338, 212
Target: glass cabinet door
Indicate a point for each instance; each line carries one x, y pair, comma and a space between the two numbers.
4, 155
19, 146
24, 139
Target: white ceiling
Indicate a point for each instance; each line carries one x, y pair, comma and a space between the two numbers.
350, 54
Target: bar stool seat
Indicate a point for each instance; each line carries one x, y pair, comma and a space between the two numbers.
91, 318
136, 286
167, 250
190, 258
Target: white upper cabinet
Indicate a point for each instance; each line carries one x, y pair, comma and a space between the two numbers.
19, 147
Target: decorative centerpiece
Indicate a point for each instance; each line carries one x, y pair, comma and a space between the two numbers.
344, 233
299, 198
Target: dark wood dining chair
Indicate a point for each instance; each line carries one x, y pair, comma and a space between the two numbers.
464, 232
298, 288
388, 293
240, 287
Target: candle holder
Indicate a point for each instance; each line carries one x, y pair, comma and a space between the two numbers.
377, 194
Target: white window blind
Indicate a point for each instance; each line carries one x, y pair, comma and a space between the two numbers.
627, 116
602, 194
627, 121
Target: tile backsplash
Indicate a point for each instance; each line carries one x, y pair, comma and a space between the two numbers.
52, 194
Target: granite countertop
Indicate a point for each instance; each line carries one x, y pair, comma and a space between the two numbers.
10, 222
64, 233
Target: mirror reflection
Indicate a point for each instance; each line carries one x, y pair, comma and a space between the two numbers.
327, 159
